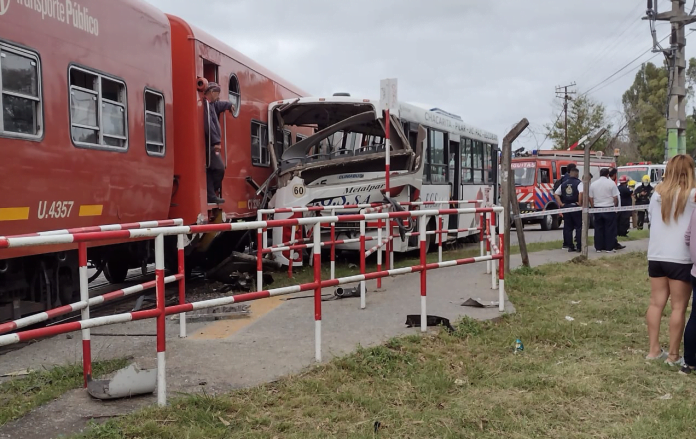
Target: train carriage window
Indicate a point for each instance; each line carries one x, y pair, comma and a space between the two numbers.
154, 123
97, 110
20, 93
259, 144
235, 95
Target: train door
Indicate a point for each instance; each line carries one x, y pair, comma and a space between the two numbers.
454, 180
211, 74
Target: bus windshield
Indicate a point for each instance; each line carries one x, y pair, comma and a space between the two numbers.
635, 174
524, 173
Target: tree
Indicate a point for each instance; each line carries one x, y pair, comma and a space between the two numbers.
645, 105
645, 108
585, 116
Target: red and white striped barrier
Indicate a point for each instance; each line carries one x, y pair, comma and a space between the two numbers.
107, 228
78, 306
162, 311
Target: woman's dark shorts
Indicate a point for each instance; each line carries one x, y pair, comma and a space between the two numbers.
670, 270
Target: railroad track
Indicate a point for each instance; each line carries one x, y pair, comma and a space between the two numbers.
115, 306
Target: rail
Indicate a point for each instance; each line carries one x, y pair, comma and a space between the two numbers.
161, 310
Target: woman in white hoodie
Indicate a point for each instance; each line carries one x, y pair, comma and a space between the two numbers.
669, 260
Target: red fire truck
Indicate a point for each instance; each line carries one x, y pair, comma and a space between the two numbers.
535, 174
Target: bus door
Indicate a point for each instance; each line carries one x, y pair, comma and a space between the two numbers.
455, 181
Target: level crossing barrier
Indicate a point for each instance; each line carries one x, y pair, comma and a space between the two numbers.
306, 243
161, 310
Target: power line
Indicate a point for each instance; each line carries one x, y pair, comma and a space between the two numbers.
548, 133
622, 68
627, 73
631, 22
597, 86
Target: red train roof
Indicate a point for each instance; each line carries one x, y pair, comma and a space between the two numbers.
223, 48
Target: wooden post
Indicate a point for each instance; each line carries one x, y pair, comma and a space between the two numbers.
507, 188
515, 209
586, 191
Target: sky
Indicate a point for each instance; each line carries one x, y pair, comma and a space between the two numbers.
493, 62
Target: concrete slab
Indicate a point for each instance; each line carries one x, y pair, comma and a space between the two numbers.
277, 341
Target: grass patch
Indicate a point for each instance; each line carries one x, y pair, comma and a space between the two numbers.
19, 396
585, 378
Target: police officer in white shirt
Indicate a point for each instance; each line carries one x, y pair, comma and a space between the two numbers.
604, 193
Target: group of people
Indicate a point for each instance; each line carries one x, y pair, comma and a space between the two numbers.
628, 194
603, 193
671, 262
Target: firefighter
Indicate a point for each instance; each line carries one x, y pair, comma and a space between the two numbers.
642, 195
626, 197
634, 215
569, 194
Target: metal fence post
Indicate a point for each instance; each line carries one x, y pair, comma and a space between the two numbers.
423, 263
317, 292
494, 279
182, 283
161, 317
291, 252
333, 245
440, 226
84, 297
501, 264
362, 263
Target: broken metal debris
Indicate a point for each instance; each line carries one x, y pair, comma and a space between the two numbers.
342, 293
226, 312
235, 271
414, 320
125, 383
478, 303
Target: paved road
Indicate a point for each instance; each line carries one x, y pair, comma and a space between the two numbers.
533, 233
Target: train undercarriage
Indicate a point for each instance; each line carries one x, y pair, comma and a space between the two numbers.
33, 284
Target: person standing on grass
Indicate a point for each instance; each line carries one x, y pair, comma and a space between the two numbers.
626, 199
604, 193
669, 259
569, 194
690, 331
643, 195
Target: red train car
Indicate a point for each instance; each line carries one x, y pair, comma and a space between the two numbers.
102, 123
245, 149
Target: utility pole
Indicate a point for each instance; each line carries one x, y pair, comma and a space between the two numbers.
676, 105
563, 93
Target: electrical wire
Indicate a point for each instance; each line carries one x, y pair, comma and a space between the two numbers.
549, 131
600, 85
631, 23
621, 69
626, 73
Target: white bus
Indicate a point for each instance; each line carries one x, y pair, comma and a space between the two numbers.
435, 156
